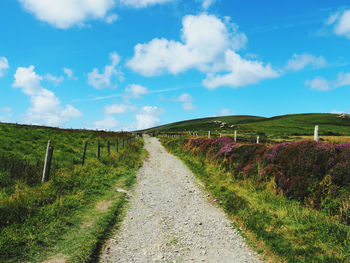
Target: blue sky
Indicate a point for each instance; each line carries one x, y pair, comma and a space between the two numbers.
132, 64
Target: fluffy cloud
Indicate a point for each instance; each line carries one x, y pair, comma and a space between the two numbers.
103, 80
187, 101
341, 22
45, 106
67, 13
209, 45
117, 109
322, 84
4, 65
136, 91
148, 117
241, 73
204, 39
299, 62
143, 3
108, 123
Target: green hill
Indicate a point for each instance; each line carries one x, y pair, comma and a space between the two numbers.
285, 125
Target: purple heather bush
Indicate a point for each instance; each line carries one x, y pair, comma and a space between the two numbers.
298, 168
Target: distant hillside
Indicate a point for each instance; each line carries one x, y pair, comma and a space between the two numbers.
294, 124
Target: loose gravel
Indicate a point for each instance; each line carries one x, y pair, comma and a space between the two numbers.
170, 219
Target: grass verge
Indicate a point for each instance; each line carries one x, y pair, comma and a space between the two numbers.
281, 230
68, 218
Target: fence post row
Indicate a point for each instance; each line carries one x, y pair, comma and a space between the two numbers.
83, 161
47, 164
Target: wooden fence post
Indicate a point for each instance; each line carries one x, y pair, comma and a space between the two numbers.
123, 142
47, 164
117, 146
98, 149
208, 134
85, 146
257, 139
235, 136
108, 148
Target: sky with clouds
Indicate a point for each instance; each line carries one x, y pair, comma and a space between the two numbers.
134, 64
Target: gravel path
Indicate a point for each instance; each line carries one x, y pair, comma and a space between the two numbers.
171, 220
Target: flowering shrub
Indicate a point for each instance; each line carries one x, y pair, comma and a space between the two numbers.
300, 169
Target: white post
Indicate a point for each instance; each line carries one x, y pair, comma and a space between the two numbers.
235, 136
209, 134
257, 139
220, 135
316, 133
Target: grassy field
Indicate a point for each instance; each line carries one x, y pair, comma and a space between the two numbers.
281, 229
69, 216
286, 126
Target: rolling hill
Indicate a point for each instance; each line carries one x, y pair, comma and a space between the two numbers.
284, 125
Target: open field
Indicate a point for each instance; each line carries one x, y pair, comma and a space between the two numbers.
68, 217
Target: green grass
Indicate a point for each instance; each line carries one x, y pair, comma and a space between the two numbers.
61, 218
285, 125
281, 230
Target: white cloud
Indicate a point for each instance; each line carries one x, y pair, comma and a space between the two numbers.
69, 72
108, 123
204, 40
103, 80
299, 62
341, 23
322, 84
143, 3
67, 13
45, 106
4, 65
148, 117
187, 101
241, 73
111, 18
55, 80
136, 91
209, 45
116, 109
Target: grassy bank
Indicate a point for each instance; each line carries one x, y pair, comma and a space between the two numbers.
68, 217
280, 228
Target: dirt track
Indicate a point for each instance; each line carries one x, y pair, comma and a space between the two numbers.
171, 220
